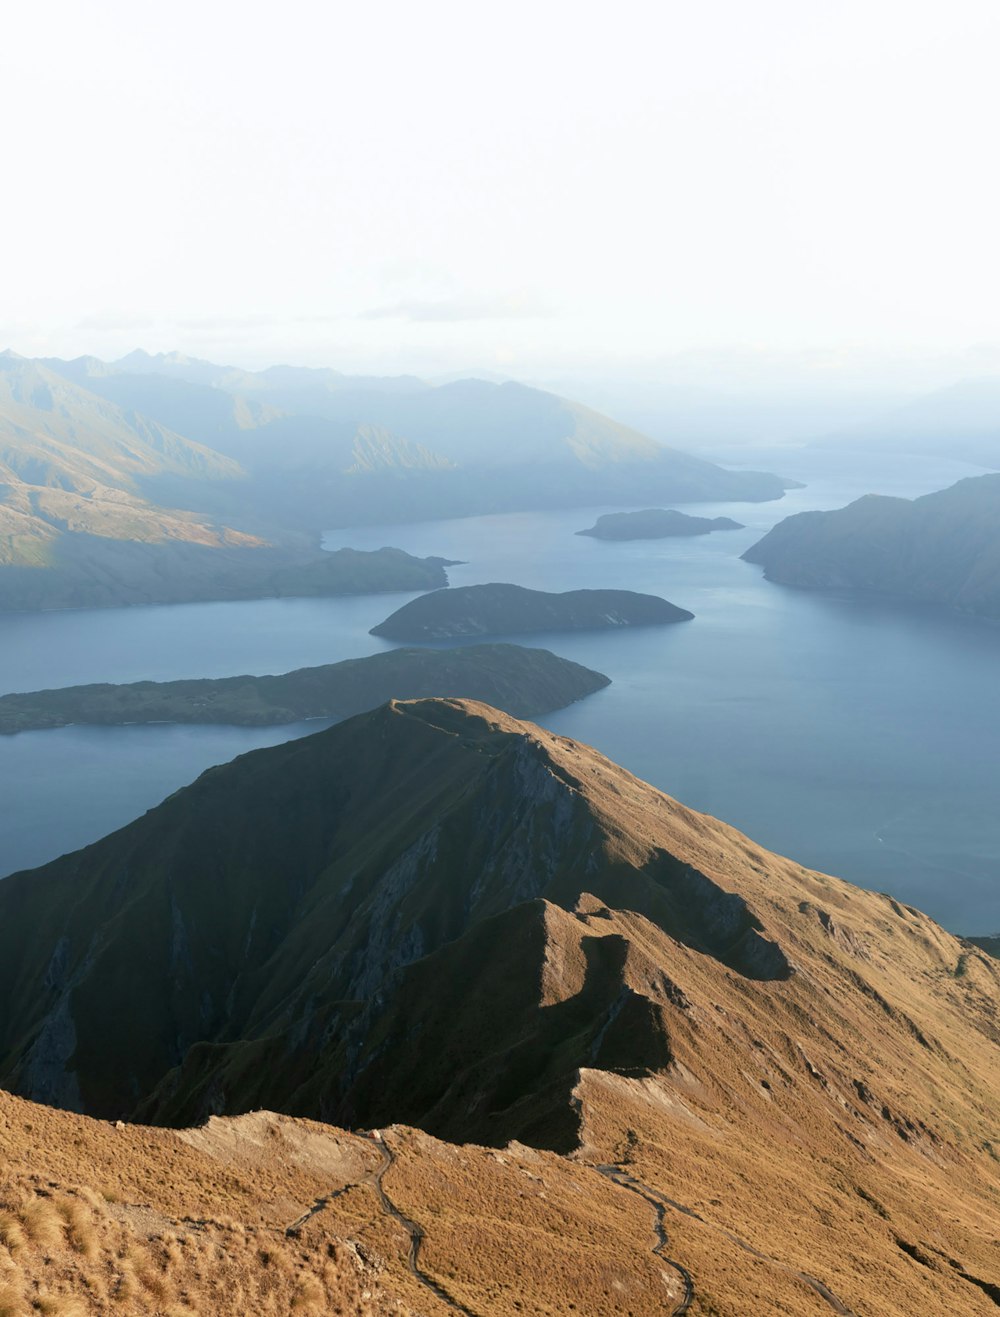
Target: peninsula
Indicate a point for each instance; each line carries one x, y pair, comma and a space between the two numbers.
522, 682
943, 548
499, 609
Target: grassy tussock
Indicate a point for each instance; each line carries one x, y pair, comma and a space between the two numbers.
78, 1251
11, 1301
42, 1223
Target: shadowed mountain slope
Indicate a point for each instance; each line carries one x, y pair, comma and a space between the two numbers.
943, 548
434, 913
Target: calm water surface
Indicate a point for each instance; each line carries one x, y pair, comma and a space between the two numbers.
858, 737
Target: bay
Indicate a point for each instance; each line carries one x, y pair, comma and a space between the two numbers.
856, 736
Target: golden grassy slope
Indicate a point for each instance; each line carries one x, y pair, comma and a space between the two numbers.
822, 1141
100, 1219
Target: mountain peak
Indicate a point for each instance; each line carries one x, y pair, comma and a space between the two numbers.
435, 914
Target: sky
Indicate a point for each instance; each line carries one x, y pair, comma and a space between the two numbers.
526, 187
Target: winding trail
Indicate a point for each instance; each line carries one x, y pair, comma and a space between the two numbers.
615, 1172
624, 1180
415, 1231
660, 1201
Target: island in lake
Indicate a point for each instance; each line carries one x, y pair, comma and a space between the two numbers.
655, 524
943, 548
523, 682
500, 609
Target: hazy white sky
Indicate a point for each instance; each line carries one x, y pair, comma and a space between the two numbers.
449, 182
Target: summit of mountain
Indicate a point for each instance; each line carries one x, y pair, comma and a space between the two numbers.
437, 915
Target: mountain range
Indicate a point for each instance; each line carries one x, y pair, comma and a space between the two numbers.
199, 464
437, 915
961, 421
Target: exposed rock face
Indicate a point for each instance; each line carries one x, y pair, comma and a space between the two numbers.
943, 548
500, 609
434, 912
655, 524
292, 896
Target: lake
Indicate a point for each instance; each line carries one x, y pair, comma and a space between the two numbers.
856, 736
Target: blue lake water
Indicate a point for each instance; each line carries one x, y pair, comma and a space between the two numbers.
858, 737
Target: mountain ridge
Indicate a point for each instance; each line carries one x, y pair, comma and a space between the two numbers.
437, 914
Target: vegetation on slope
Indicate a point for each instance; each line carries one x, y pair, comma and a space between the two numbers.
308, 437
438, 913
943, 548
500, 609
523, 682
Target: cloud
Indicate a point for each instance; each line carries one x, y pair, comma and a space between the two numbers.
456, 310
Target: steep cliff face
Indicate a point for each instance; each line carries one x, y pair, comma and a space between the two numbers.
434, 913
280, 903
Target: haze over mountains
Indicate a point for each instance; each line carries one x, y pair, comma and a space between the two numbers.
960, 421
435, 914
150, 479
575, 1008
943, 548
655, 524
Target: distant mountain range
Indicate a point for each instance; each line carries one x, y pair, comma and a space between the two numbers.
319, 424
961, 421
72, 463
943, 548
435, 914
164, 451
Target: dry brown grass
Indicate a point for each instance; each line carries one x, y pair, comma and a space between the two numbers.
212, 1244
840, 1123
